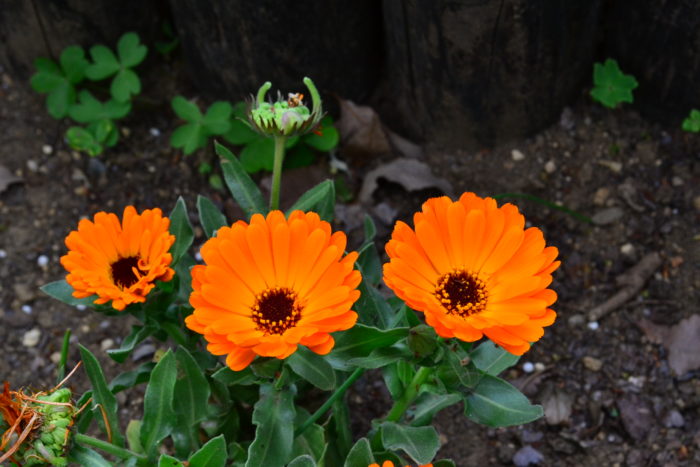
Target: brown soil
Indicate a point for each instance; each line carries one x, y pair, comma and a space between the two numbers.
619, 402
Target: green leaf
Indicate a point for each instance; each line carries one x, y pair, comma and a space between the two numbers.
104, 64
320, 199
242, 188
169, 461
455, 370
360, 341
380, 357
47, 77
62, 291
360, 454
428, 404
158, 412
496, 403
191, 390
137, 334
303, 461
240, 133
81, 139
611, 85
129, 379
60, 99
258, 155
692, 122
182, 229
101, 395
73, 63
86, 457
133, 436
230, 377
299, 156
273, 416
420, 443
124, 85
372, 308
311, 442
313, 368
491, 359
212, 454
186, 110
217, 119
209, 216
327, 140
131, 51
88, 109
189, 137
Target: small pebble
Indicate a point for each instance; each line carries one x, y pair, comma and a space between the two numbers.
593, 325
32, 165
3, 254
601, 196
592, 363
527, 455
550, 167
198, 256
31, 337
696, 203
517, 155
528, 367
26, 309
612, 165
576, 320
55, 357
47, 149
627, 249
677, 181
539, 367
106, 344
42, 261
81, 307
674, 419
155, 132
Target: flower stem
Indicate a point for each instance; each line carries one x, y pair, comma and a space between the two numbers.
110, 448
277, 172
329, 402
409, 394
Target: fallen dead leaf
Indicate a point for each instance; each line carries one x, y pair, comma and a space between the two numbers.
7, 178
557, 406
411, 174
361, 130
636, 415
681, 340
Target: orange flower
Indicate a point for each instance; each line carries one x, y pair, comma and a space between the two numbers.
271, 285
391, 464
474, 270
119, 262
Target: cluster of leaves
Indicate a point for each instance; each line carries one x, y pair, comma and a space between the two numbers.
213, 416
692, 122
611, 85
230, 122
59, 81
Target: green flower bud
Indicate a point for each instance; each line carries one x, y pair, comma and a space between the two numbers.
288, 117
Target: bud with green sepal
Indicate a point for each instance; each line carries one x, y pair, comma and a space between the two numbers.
285, 117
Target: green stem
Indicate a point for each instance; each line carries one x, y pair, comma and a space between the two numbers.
277, 172
409, 395
329, 402
110, 448
64, 357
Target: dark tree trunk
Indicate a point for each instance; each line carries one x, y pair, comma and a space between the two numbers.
658, 41
466, 72
232, 47
43, 28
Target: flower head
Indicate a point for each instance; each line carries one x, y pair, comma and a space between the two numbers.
286, 117
474, 270
272, 285
119, 261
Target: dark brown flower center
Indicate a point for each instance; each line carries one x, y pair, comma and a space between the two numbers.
462, 293
276, 310
123, 272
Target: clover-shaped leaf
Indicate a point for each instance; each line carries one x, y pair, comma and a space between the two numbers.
692, 122
194, 134
105, 64
58, 80
611, 85
89, 109
81, 139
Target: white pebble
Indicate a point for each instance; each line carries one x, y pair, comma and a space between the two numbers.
27, 309
627, 249
198, 256
539, 366
517, 155
3, 254
106, 344
528, 367
55, 357
47, 149
550, 167
155, 132
593, 325
42, 261
81, 307
32, 165
31, 337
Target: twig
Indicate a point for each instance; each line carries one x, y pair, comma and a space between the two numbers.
631, 281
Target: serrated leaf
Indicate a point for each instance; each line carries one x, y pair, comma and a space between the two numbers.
158, 412
73, 63
611, 85
189, 137
258, 155
131, 51
104, 65
182, 229
217, 119
62, 291
273, 415
313, 368
491, 359
125, 84
186, 110
209, 216
242, 188
319, 199
360, 454
212, 454
101, 395
496, 403
420, 443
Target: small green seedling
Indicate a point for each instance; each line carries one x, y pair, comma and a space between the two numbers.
692, 122
58, 81
611, 85
99, 117
105, 64
199, 127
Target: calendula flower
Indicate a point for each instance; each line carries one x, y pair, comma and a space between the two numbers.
391, 464
474, 270
272, 285
119, 261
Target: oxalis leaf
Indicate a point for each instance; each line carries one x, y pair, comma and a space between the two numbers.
494, 402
